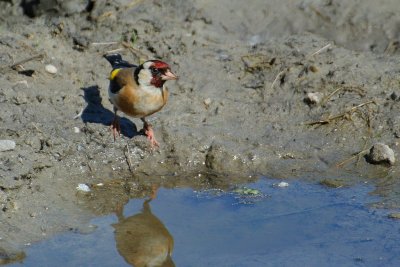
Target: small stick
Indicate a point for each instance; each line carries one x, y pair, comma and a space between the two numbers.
351, 158
276, 78
344, 87
105, 43
351, 110
37, 57
79, 114
128, 158
359, 154
133, 3
105, 15
331, 94
135, 51
319, 13
90, 167
115, 50
320, 50
36, 127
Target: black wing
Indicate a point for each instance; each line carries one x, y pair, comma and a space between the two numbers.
117, 62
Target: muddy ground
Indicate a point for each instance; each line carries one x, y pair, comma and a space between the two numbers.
238, 111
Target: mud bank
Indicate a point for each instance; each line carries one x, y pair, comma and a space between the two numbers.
239, 110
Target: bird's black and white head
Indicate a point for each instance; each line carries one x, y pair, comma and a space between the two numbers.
154, 73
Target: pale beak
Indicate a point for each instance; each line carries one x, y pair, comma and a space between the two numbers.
169, 75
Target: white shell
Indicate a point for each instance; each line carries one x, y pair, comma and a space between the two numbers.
51, 69
83, 188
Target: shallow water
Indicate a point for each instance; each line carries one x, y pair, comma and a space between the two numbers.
299, 225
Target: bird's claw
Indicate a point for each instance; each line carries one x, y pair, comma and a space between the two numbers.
148, 131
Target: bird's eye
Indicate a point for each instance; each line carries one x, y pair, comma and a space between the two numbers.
154, 71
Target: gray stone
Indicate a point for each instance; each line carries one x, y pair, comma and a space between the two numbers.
6, 145
381, 153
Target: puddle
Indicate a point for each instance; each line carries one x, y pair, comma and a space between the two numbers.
299, 225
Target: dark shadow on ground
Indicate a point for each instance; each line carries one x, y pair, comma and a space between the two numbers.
95, 112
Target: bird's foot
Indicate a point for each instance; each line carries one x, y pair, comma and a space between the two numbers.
148, 131
116, 127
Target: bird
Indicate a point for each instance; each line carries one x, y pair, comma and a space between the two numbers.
138, 90
142, 239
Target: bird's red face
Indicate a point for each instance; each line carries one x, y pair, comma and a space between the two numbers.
160, 72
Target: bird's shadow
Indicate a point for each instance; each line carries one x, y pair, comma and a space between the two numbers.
95, 112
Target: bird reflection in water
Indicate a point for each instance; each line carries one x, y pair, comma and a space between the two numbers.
142, 239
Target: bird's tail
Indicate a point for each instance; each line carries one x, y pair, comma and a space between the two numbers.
117, 62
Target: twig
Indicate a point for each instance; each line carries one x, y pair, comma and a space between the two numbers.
79, 114
351, 158
135, 51
128, 46
90, 167
115, 50
105, 43
319, 13
320, 50
128, 158
131, 4
361, 92
105, 15
351, 110
359, 154
332, 94
36, 127
276, 78
37, 57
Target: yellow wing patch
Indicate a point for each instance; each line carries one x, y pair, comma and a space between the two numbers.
114, 73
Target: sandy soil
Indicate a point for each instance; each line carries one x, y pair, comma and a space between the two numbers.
239, 109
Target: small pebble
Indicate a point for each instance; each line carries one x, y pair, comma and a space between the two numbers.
51, 69
77, 130
207, 101
381, 153
313, 68
283, 184
83, 188
6, 145
313, 98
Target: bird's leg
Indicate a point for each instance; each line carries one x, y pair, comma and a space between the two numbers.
115, 126
148, 131
154, 191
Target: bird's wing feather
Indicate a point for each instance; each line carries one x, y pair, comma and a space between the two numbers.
120, 78
115, 87
117, 62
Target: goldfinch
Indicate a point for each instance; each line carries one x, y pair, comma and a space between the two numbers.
138, 91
